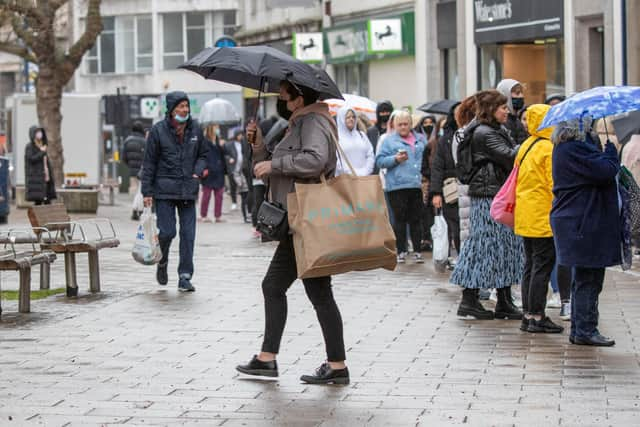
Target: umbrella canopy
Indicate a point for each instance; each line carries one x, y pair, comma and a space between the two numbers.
218, 111
442, 106
627, 126
261, 68
360, 104
597, 102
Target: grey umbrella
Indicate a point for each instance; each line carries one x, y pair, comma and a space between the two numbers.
218, 111
261, 68
627, 126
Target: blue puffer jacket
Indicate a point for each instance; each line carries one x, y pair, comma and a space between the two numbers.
404, 175
169, 165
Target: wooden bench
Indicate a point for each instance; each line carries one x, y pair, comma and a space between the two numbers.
21, 252
71, 237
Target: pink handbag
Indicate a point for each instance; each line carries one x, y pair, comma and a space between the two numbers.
504, 203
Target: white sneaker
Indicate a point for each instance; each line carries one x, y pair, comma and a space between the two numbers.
402, 258
565, 311
417, 258
234, 207
554, 301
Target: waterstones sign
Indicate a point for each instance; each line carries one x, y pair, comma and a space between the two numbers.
499, 21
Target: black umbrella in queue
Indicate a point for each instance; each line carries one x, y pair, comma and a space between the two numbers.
442, 106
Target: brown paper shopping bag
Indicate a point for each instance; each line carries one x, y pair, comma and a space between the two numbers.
341, 225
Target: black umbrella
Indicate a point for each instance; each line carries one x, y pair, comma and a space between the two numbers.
627, 126
261, 68
442, 106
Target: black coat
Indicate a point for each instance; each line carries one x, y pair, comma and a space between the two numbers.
443, 166
133, 152
230, 153
215, 165
516, 129
493, 153
169, 165
37, 188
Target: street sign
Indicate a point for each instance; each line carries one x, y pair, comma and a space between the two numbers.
308, 47
226, 41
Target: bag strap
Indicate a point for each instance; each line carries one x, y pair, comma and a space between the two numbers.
529, 149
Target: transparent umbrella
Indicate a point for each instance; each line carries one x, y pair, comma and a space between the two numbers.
218, 111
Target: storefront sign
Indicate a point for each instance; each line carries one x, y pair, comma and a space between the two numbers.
385, 35
308, 47
346, 44
515, 20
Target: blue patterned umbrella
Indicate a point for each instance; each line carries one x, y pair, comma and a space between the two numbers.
597, 102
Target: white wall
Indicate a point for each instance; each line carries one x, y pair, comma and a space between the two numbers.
356, 7
262, 18
395, 80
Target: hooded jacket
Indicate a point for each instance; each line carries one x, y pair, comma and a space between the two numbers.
535, 180
306, 152
515, 126
37, 188
133, 152
356, 147
169, 165
375, 131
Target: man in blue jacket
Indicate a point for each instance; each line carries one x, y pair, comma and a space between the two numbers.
175, 159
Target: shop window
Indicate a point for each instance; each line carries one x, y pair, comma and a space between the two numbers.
353, 78
124, 46
186, 34
451, 83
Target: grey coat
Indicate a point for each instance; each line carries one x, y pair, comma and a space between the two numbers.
305, 153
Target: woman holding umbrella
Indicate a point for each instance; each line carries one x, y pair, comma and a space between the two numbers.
305, 154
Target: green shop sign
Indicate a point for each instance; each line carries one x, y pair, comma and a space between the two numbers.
373, 39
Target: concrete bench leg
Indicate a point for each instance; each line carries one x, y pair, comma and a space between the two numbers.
24, 302
70, 274
94, 271
45, 275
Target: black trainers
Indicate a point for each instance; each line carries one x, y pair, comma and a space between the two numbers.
325, 375
258, 368
184, 284
545, 325
161, 274
525, 324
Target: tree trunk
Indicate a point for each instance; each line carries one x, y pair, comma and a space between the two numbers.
49, 96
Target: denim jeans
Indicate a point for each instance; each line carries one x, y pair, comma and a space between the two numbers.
166, 213
585, 289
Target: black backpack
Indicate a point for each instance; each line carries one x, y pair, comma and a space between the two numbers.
464, 167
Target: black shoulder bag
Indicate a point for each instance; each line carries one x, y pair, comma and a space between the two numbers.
272, 221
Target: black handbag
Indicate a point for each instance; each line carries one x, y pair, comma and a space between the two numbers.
272, 221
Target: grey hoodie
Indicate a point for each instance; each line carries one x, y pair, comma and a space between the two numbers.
504, 87
515, 126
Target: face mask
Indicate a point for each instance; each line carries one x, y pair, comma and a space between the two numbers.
283, 111
39, 135
384, 119
517, 103
428, 129
181, 119
441, 132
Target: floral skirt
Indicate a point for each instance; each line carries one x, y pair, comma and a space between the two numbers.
492, 256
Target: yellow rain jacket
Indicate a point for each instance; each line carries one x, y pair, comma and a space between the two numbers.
535, 182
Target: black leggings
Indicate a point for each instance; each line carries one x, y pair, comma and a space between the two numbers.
280, 276
42, 202
407, 208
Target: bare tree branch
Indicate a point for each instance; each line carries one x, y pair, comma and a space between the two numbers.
17, 50
23, 32
23, 7
86, 41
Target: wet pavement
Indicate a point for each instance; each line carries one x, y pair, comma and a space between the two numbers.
142, 354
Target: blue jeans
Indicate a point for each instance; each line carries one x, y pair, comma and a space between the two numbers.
166, 212
585, 289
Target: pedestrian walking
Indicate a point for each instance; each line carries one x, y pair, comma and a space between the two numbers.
132, 156
354, 144
492, 255
533, 205
213, 183
238, 160
306, 153
383, 113
40, 186
585, 219
443, 177
514, 92
175, 159
401, 155
427, 126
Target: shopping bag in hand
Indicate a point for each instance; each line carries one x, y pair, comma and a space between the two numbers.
440, 236
146, 249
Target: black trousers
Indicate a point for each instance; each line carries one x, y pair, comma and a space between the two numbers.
540, 257
233, 189
407, 209
258, 198
451, 214
280, 276
564, 277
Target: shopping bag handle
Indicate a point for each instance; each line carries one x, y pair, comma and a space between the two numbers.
342, 155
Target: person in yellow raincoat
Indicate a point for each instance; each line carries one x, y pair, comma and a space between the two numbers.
533, 205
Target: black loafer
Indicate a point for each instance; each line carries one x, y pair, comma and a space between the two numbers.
545, 325
325, 375
258, 368
596, 340
161, 274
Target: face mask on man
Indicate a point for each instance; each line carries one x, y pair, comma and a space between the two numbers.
384, 118
283, 111
428, 129
181, 119
517, 103
39, 135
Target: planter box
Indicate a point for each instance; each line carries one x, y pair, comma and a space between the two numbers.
79, 200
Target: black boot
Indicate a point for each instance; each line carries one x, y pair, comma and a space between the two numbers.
470, 306
505, 308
